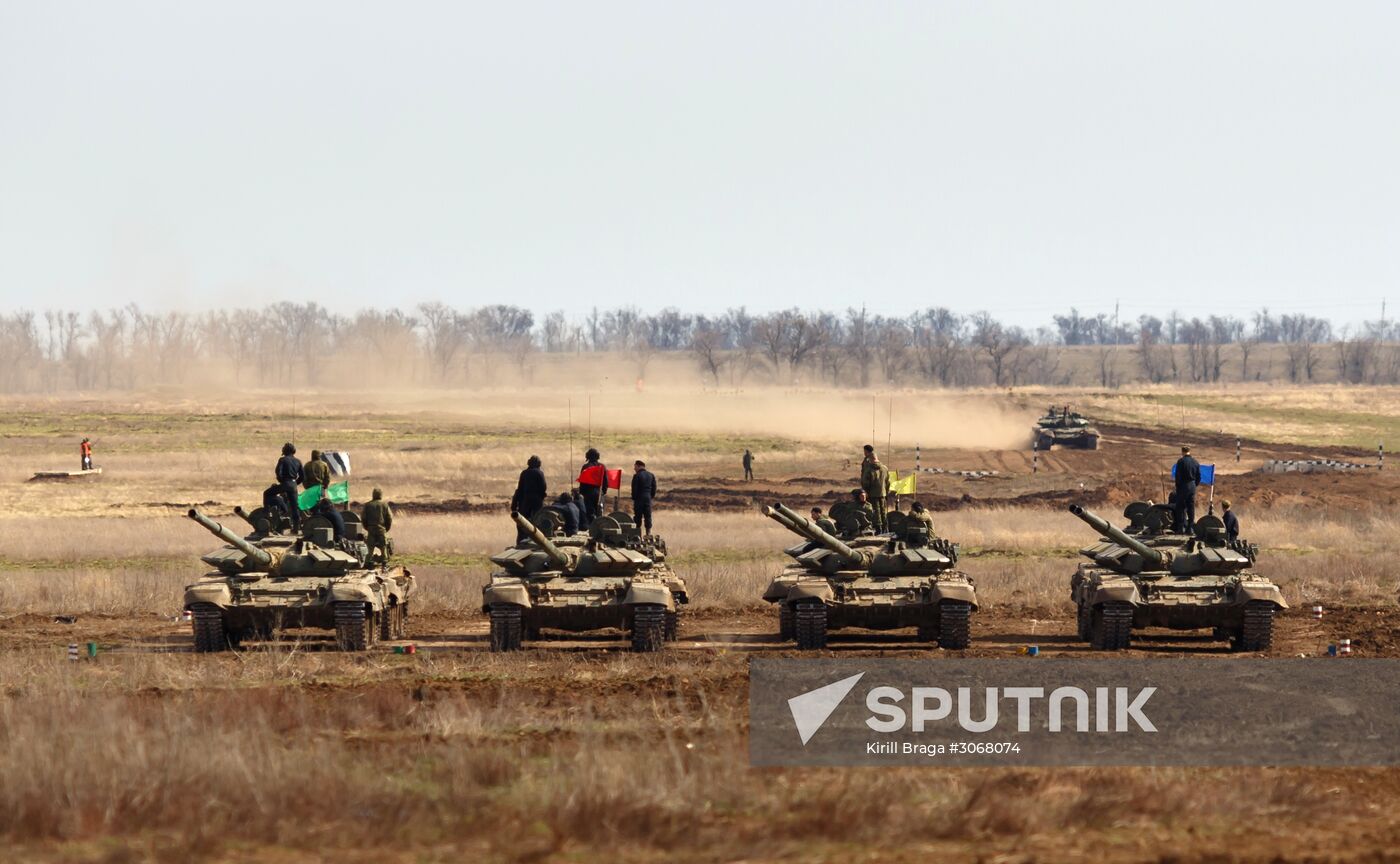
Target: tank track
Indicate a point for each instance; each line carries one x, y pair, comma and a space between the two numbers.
954, 625
787, 622
1085, 621
506, 628
208, 626
354, 628
648, 628
673, 626
929, 628
1257, 634
391, 624
810, 626
1113, 626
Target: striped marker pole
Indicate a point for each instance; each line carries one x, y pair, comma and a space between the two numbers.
917, 458
1317, 613
1380, 456
1237, 449
73, 651
1344, 648
1035, 462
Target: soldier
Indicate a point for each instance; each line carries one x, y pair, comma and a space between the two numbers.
918, 514
1232, 522
592, 485
821, 520
1188, 474
378, 518
317, 472
530, 493
289, 474
862, 502
875, 480
85, 449
564, 506
643, 491
748, 464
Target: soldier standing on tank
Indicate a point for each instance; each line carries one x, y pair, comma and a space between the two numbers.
592, 486
643, 491
875, 480
564, 506
317, 472
378, 518
531, 491
1188, 475
289, 475
1232, 522
748, 464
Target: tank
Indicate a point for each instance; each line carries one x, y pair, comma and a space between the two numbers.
610, 577
1066, 428
1147, 576
265, 582
842, 575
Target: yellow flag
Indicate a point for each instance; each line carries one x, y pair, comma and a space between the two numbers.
903, 485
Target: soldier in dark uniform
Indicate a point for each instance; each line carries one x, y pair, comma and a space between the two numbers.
289, 475
378, 518
1188, 475
643, 491
530, 493
317, 472
748, 464
564, 506
1232, 522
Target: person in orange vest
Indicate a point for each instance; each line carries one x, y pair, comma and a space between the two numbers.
86, 449
592, 487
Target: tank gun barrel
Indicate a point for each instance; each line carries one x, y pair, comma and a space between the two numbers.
817, 534
262, 557
1104, 527
786, 522
556, 557
243, 514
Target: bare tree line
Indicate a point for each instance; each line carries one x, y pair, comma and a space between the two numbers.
305, 344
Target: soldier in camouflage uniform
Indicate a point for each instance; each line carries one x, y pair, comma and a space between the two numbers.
875, 480
378, 518
917, 513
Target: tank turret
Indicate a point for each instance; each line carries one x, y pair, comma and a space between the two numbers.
1152, 558
253, 556
817, 535
555, 555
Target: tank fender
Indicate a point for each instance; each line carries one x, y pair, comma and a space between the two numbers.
649, 593
1118, 593
352, 592
812, 589
216, 592
1251, 591
958, 591
505, 593
777, 590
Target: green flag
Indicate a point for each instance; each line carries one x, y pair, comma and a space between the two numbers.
309, 498
338, 493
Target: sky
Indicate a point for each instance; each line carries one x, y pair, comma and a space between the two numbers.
1018, 158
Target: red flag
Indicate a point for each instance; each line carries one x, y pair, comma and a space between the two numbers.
615, 479
592, 475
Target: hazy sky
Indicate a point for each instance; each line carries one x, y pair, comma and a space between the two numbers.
1014, 157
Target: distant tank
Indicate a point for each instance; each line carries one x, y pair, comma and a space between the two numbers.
905, 578
1147, 576
1065, 428
269, 581
610, 577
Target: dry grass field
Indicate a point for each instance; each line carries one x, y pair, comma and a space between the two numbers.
579, 751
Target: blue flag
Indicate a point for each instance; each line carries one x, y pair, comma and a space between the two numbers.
1207, 474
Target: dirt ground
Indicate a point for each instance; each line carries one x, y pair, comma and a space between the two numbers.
453, 753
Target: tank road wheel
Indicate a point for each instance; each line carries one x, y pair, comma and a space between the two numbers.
403, 620
506, 628
1258, 631
209, 632
1112, 626
1086, 622
391, 624
648, 627
673, 625
787, 622
954, 624
354, 628
810, 625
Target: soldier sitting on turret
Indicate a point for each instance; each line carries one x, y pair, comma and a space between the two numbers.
919, 514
